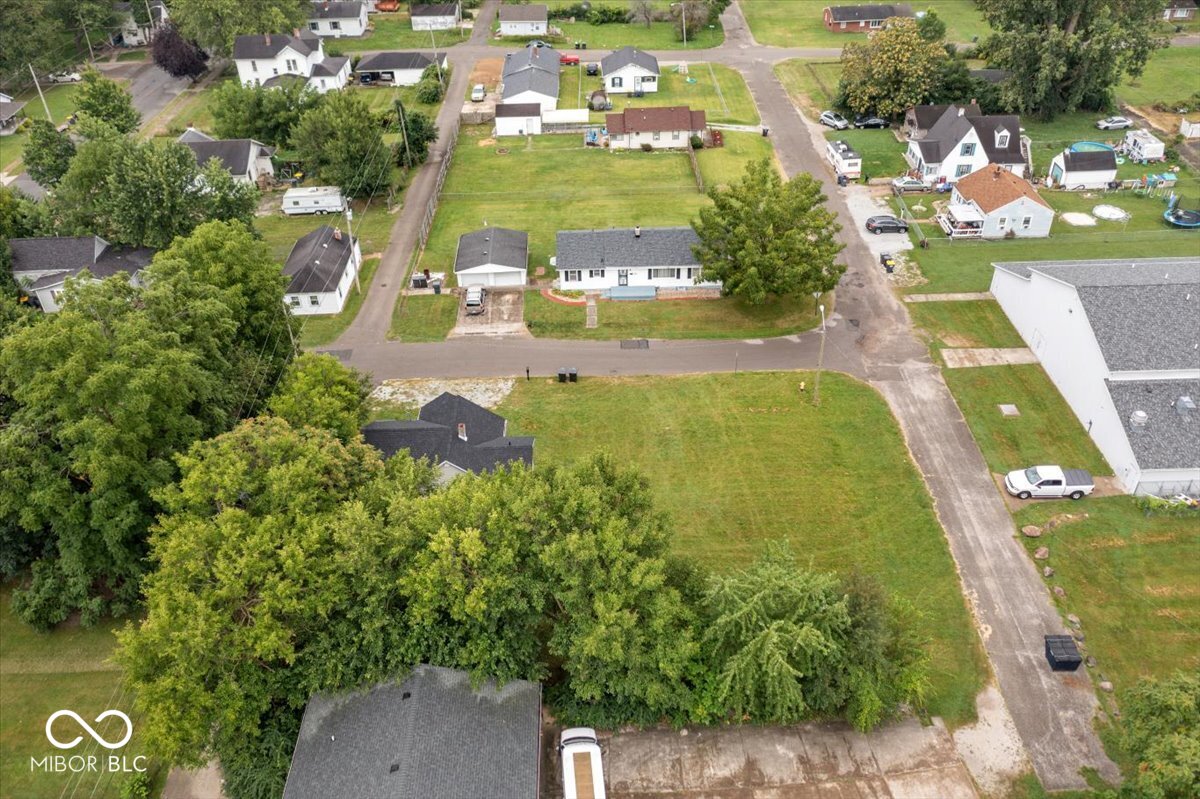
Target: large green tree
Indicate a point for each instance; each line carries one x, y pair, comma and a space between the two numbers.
1161, 735
48, 153
417, 131
894, 69
258, 112
215, 24
341, 142
765, 237
1065, 55
318, 391
106, 100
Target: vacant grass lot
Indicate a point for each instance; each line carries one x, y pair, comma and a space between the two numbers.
719, 90
811, 85
394, 32
1170, 76
424, 317
738, 460
658, 36
688, 319
41, 673
721, 166
373, 227
976, 323
1132, 582
1045, 432
318, 331
60, 98
193, 107
788, 23
882, 155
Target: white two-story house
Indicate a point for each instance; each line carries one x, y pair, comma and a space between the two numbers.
960, 143
267, 59
652, 258
337, 18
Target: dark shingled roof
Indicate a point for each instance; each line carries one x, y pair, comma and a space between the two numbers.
868, 13
1098, 160
269, 45
429, 737
989, 75
626, 56
234, 154
652, 120
494, 245
318, 261
1145, 313
926, 116
1169, 440
336, 9
946, 134
531, 80
518, 110
394, 60
69, 255
620, 248
9, 110
435, 436
543, 58
434, 10
533, 12
330, 66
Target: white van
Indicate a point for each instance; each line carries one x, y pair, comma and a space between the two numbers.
313, 200
583, 774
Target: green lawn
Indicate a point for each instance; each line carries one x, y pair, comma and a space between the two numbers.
41, 673
394, 32
1051, 138
133, 55
812, 85
383, 98
974, 323
787, 23
1045, 432
60, 98
720, 91
1132, 582
319, 331
424, 317
373, 228
738, 460
659, 36
1145, 212
194, 107
1170, 76
882, 155
687, 319
720, 166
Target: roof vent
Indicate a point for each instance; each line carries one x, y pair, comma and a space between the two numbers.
462, 431
637, 231
337, 234
1184, 406
1138, 419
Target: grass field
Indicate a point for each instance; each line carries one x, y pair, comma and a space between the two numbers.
811, 85
194, 107
659, 36
373, 228
738, 460
688, 319
1132, 582
976, 323
800, 23
1045, 432
133, 55
394, 32
719, 90
60, 99
1170, 76
318, 331
424, 317
41, 673
383, 99
721, 166
882, 155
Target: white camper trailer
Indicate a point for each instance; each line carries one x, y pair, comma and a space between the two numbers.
313, 200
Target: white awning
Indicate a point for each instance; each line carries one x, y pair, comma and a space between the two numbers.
964, 213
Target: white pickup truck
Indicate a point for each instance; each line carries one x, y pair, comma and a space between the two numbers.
1049, 481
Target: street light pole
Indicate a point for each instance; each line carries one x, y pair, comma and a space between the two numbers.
821, 353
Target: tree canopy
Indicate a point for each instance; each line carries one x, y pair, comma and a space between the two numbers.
106, 100
1161, 735
318, 391
1066, 55
341, 142
766, 237
48, 153
176, 55
257, 112
896, 68
215, 24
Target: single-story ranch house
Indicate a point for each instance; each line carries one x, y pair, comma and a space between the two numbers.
519, 119
599, 260
1119, 339
531, 19
960, 143
323, 265
401, 69
661, 128
249, 161
338, 18
531, 75
435, 16
1082, 170
861, 19
993, 203
494, 256
629, 70
42, 266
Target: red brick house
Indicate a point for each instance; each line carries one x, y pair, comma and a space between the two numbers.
862, 19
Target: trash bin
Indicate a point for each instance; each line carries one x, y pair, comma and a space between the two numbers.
420, 282
1061, 653
437, 286
583, 45
842, 180
573, 375
888, 261
562, 375
766, 130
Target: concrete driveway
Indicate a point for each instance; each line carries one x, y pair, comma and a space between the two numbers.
503, 315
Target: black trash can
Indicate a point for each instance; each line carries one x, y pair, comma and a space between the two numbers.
766, 131
583, 45
573, 375
842, 180
1061, 653
437, 286
562, 375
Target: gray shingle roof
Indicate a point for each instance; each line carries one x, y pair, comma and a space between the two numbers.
9, 110
532, 12
1145, 314
493, 245
318, 261
867, 13
518, 109
626, 56
435, 436
336, 9
946, 134
72, 254
989, 75
1089, 161
531, 80
330, 66
619, 248
430, 737
925, 116
269, 45
434, 10
193, 134
543, 58
394, 60
234, 154
1169, 440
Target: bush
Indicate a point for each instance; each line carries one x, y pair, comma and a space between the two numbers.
606, 15
576, 10
647, 147
137, 786
429, 92
697, 143
1158, 506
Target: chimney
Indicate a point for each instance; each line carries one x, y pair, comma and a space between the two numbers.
1138, 419
462, 431
337, 234
267, 39
426, 274
296, 32
961, 111
637, 231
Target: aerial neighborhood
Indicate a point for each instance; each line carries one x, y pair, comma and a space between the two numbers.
859, 346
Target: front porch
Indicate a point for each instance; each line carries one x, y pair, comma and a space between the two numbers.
961, 221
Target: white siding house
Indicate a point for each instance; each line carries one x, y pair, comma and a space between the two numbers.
401, 69
1082, 170
249, 161
994, 203
531, 76
1118, 338
42, 266
270, 58
524, 20
494, 256
132, 34
518, 119
961, 143
629, 71
337, 18
435, 16
596, 260
323, 267
661, 128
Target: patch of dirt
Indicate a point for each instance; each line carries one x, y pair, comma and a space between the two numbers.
488, 392
1173, 590
1077, 219
1166, 121
487, 71
907, 273
1108, 543
991, 748
956, 340
486, 142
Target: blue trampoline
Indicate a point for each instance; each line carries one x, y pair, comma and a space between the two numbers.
1179, 217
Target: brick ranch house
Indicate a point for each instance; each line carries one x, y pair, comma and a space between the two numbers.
862, 19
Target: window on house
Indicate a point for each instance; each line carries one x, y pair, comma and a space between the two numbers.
931, 170
1027, 223
962, 171
595, 273
291, 65
649, 79
254, 66
675, 135
843, 25
1003, 223
657, 135
294, 302
313, 299
668, 273
617, 83
968, 149
693, 272
335, 26
1002, 140
875, 23
572, 276
312, 26
56, 295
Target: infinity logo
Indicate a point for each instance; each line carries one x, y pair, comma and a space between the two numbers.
95, 735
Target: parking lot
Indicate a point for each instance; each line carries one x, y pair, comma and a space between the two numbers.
503, 315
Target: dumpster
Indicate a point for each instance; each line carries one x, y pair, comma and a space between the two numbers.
842, 180
1061, 653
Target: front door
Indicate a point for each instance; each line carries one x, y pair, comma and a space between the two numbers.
622, 277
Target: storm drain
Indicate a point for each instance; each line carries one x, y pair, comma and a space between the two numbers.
636, 344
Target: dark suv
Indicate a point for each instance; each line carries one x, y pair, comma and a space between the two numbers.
886, 224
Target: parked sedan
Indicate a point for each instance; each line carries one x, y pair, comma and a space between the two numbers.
65, 77
538, 43
870, 121
886, 224
1115, 123
909, 184
833, 120
593, 69
478, 93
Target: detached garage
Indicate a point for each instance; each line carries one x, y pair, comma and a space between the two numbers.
494, 256
402, 69
518, 119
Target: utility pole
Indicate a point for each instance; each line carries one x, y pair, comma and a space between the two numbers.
149, 23
87, 38
403, 116
437, 62
45, 107
821, 353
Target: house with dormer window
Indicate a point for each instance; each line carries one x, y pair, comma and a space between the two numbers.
961, 143
268, 59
